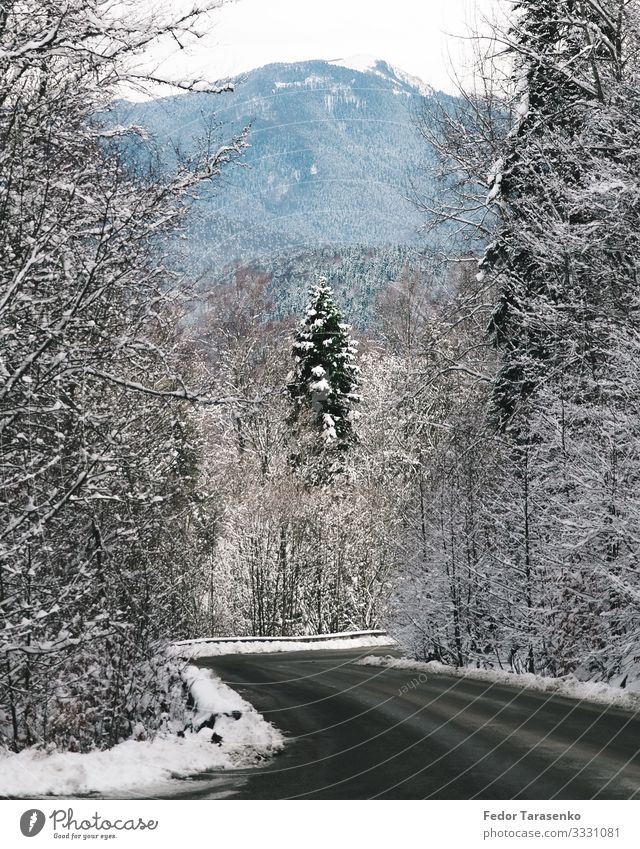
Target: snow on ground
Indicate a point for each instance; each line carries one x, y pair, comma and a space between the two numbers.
252, 645
568, 686
134, 764
209, 693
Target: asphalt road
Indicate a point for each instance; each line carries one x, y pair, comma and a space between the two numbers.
362, 732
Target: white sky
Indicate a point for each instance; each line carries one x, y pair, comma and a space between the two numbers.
423, 37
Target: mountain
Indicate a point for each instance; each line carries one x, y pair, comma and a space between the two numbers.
332, 147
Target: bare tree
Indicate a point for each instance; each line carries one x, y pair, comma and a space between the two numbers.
92, 400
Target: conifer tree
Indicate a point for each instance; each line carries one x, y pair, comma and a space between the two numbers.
323, 385
567, 130
566, 316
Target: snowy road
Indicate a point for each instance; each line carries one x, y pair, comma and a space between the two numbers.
361, 732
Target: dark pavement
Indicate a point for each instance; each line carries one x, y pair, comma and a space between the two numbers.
361, 732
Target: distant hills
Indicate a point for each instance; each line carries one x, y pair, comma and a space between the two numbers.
333, 145
358, 274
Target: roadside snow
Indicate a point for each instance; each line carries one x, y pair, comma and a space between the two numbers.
215, 648
568, 686
135, 764
210, 694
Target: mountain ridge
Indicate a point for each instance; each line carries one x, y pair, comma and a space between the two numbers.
331, 151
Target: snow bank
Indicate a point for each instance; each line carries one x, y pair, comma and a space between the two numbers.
209, 694
568, 686
268, 645
134, 764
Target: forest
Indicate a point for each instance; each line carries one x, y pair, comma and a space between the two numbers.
462, 466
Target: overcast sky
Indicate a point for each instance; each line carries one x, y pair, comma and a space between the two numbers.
423, 37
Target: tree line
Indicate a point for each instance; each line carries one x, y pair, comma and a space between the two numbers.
98, 504
494, 476
527, 556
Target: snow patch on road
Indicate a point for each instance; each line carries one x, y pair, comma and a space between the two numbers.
567, 686
212, 648
135, 764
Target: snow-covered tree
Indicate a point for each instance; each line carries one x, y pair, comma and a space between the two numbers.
568, 145
324, 382
96, 500
288, 558
546, 523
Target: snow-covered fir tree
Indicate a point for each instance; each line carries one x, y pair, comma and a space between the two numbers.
562, 154
323, 385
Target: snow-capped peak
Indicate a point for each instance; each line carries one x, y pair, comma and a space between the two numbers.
365, 63
361, 62
424, 89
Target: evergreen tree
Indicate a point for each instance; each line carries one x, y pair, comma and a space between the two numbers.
567, 65
566, 317
323, 385
546, 522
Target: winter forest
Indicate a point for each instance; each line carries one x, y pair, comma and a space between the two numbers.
461, 466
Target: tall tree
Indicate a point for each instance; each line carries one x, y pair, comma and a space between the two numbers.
572, 119
553, 520
323, 385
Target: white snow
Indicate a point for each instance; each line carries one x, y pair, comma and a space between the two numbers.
210, 694
136, 764
365, 63
312, 81
494, 180
255, 645
322, 386
415, 82
568, 686
360, 62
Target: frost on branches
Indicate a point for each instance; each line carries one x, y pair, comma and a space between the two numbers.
525, 548
96, 501
288, 558
323, 387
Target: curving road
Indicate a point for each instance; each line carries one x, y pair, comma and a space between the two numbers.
361, 732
